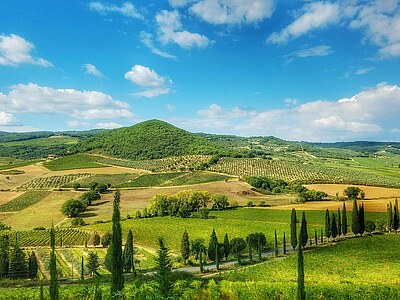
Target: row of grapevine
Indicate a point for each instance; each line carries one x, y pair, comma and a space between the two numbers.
178, 163
52, 181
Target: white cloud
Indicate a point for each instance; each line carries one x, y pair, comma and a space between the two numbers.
144, 76
369, 114
127, 9
322, 50
110, 125
314, 15
92, 70
363, 71
390, 50
180, 3
32, 98
7, 119
233, 12
153, 92
170, 31
147, 40
15, 50
291, 102
78, 124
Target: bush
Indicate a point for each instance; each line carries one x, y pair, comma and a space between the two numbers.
78, 222
106, 239
73, 207
39, 228
4, 227
220, 202
76, 186
102, 188
249, 203
95, 239
369, 226
352, 192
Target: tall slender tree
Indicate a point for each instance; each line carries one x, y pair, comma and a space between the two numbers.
129, 265
32, 265
328, 224
344, 219
4, 255
315, 237
361, 219
53, 266
284, 243
212, 246
389, 217
185, 246
355, 221
301, 292
18, 267
164, 270
396, 217
322, 236
276, 250
250, 239
303, 231
117, 266
293, 229
82, 269
227, 246
339, 221
334, 226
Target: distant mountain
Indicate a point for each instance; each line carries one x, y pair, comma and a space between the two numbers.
363, 146
149, 140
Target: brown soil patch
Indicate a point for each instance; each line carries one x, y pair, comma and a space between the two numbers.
371, 192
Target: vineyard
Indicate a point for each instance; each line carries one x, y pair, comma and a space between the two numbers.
113, 179
303, 172
177, 163
23, 201
51, 182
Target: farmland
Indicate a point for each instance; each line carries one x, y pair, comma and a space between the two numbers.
78, 161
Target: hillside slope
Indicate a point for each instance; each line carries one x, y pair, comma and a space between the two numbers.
148, 140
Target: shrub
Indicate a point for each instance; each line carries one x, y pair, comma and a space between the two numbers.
369, 226
249, 203
95, 239
220, 202
39, 228
73, 207
102, 188
78, 222
76, 186
106, 239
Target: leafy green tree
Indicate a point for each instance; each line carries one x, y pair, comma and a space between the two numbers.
4, 256
361, 219
53, 267
227, 246
198, 248
212, 246
352, 192
355, 222
95, 239
32, 265
185, 246
93, 185
164, 270
92, 263
73, 207
389, 216
301, 292
328, 229
276, 249
117, 267
90, 196
293, 229
76, 186
251, 244
129, 265
220, 201
339, 221
344, 219
102, 188
396, 216
303, 231
237, 246
334, 226
106, 239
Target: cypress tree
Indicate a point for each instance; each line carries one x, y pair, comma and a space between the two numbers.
217, 250
303, 231
315, 237
334, 227
328, 224
355, 222
128, 253
117, 267
82, 269
4, 257
18, 267
212, 246
53, 267
250, 245
284, 243
32, 265
276, 250
301, 293
227, 246
322, 236
41, 292
339, 221
396, 216
185, 246
293, 229
344, 220
389, 216
164, 270
361, 218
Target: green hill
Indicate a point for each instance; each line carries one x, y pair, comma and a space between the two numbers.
148, 140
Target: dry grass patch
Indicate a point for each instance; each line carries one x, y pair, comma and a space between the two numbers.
13, 181
371, 192
8, 196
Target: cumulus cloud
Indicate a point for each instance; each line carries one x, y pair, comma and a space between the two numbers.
369, 114
314, 15
147, 40
109, 125
153, 84
127, 9
78, 124
92, 70
322, 50
32, 98
232, 12
170, 31
15, 50
7, 119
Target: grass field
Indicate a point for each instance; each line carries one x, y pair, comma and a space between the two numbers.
77, 161
23, 201
31, 172
52, 141
113, 179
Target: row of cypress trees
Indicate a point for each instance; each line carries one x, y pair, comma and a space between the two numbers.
393, 216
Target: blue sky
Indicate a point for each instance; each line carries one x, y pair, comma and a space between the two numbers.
299, 70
